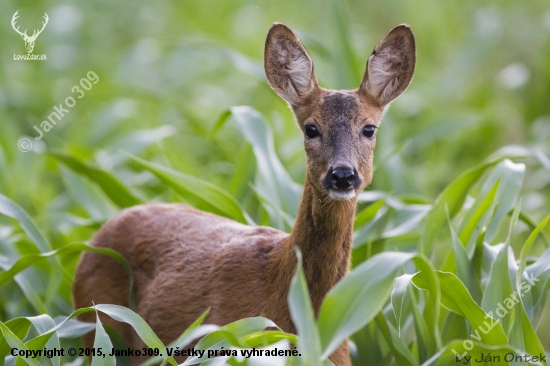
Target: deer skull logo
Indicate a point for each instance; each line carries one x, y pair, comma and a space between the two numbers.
29, 40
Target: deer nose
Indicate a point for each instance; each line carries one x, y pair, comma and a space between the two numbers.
343, 177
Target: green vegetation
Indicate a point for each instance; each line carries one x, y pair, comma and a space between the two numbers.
453, 225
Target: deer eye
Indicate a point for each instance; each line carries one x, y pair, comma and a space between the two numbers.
368, 130
311, 131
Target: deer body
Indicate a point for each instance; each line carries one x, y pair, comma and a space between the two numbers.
185, 260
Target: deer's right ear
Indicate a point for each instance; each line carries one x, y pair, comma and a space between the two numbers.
288, 67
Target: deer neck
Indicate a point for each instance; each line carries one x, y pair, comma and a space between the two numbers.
323, 232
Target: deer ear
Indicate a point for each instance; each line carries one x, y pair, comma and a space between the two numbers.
288, 67
391, 66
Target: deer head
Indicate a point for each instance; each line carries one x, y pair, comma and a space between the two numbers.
339, 126
29, 40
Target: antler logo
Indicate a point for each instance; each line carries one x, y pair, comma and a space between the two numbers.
29, 40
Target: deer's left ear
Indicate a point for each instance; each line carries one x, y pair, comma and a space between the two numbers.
391, 66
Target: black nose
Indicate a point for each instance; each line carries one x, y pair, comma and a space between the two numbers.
342, 177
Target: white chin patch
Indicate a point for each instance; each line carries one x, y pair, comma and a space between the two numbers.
341, 195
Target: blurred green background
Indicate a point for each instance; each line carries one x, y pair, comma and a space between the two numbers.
481, 83
169, 69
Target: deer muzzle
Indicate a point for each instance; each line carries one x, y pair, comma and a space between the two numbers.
341, 182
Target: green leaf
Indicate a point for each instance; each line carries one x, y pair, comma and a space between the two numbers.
42, 324
426, 342
194, 331
186, 185
464, 268
222, 119
272, 179
301, 312
454, 327
74, 328
402, 354
243, 175
511, 180
539, 272
364, 290
267, 338
125, 315
30, 259
431, 312
25, 283
88, 195
372, 230
478, 217
289, 220
455, 297
533, 225
522, 333
14, 342
368, 214
405, 220
112, 187
11, 209
400, 285
499, 289
20, 328
527, 248
102, 342
230, 334
452, 197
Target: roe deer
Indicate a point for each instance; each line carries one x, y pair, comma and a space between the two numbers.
185, 260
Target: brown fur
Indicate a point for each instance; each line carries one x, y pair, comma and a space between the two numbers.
185, 260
